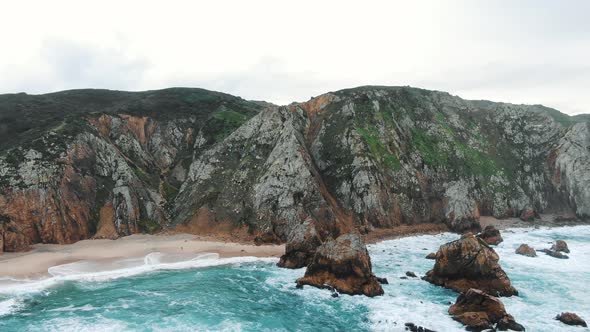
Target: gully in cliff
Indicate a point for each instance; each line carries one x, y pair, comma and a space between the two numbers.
470, 263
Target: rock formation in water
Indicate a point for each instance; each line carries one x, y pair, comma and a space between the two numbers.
526, 250
479, 311
554, 253
470, 263
343, 264
570, 318
560, 245
491, 235
94, 163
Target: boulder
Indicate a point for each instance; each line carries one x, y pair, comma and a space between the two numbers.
560, 245
470, 263
554, 253
411, 274
491, 235
344, 264
526, 250
570, 318
478, 311
527, 215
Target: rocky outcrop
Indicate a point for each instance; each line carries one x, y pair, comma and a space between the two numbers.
554, 253
526, 250
343, 264
570, 163
479, 311
432, 255
570, 318
560, 245
491, 235
470, 263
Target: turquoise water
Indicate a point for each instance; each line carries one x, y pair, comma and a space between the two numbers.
249, 294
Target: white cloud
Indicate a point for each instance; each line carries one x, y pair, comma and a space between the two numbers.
523, 52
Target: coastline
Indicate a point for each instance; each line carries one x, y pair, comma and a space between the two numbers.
36, 262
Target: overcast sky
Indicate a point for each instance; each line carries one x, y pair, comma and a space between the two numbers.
535, 52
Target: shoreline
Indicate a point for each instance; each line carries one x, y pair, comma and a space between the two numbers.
36, 262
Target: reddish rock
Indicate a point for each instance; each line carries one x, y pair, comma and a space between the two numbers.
560, 245
491, 235
526, 250
570, 318
478, 311
528, 215
343, 264
470, 263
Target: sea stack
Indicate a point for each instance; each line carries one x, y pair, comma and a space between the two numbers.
470, 263
343, 264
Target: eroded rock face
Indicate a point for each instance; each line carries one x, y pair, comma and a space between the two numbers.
343, 264
202, 162
479, 311
491, 235
571, 318
526, 250
470, 263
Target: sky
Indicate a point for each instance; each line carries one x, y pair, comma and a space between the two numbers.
529, 51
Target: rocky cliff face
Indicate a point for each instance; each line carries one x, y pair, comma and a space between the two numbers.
93, 163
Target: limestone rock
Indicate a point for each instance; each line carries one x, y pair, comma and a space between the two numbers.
470, 263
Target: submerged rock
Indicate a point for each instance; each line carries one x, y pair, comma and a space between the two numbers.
344, 264
560, 245
526, 250
415, 328
570, 318
554, 253
470, 263
478, 311
491, 235
382, 281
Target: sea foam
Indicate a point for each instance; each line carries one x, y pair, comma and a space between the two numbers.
98, 271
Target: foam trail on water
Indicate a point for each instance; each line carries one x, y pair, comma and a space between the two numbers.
108, 270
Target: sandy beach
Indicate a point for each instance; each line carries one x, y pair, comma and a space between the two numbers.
34, 263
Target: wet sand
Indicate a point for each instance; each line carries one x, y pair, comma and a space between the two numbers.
34, 263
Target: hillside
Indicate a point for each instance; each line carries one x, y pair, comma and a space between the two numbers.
96, 163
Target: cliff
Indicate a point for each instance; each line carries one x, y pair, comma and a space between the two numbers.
95, 163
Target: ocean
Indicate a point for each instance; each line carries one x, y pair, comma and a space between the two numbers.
207, 293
